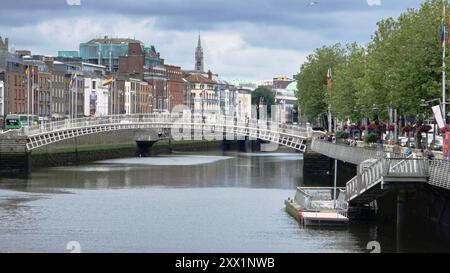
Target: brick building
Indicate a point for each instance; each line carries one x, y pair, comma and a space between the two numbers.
59, 89
156, 76
144, 98
15, 96
176, 86
43, 90
12, 74
117, 96
133, 63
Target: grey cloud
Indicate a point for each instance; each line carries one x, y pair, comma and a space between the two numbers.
179, 14
279, 27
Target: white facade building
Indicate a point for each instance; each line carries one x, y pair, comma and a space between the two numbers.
205, 96
244, 104
127, 97
286, 100
95, 97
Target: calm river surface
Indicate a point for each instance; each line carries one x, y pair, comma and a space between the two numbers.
215, 202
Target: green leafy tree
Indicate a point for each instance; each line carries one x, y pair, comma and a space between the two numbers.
400, 66
404, 61
348, 79
265, 96
311, 80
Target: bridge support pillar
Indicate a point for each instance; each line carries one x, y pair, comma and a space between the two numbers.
245, 146
401, 218
401, 208
144, 147
14, 157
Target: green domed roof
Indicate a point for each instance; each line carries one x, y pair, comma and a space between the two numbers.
292, 87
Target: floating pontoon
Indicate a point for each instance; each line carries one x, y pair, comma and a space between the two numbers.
317, 207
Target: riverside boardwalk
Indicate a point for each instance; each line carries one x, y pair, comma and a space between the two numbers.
387, 166
385, 172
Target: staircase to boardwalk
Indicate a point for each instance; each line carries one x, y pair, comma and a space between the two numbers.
384, 174
388, 171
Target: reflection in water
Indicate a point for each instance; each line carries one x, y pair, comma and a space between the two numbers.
228, 202
230, 170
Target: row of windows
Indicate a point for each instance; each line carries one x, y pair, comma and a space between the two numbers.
58, 107
208, 96
44, 97
202, 86
58, 78
44, 110
58, 92
20, 108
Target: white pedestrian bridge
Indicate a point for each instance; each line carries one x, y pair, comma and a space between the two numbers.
181, 126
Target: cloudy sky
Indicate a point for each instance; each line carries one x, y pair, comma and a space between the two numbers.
257, 39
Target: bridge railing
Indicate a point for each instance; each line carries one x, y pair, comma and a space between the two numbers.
393, 167
351, 154
172, 118
367, 178
407, 167
440, 173
346, 153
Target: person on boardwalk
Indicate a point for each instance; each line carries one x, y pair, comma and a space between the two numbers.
408, 151
429, 154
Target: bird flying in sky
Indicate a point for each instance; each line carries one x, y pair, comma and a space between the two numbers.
311, 3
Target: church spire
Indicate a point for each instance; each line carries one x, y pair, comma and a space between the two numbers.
199, 43
199, 56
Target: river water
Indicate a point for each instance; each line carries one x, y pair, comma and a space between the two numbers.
215, 202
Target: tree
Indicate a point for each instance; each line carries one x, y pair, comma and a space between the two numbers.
265, 96
404, 63
400, 66
311, 80
348, 79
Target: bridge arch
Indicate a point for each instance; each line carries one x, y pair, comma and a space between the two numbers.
52, 132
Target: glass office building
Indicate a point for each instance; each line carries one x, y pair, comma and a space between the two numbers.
68, 54
106, 51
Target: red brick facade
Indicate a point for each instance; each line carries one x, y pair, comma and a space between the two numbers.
145, 103
15, 93
133, 64
176, 86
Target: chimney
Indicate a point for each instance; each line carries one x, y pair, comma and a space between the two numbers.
209, 74
6, 43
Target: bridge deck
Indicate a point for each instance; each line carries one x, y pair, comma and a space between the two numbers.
388, 171
182, 126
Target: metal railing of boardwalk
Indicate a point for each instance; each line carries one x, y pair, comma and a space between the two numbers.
440, 174
51, 132
346, 153
369, 184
